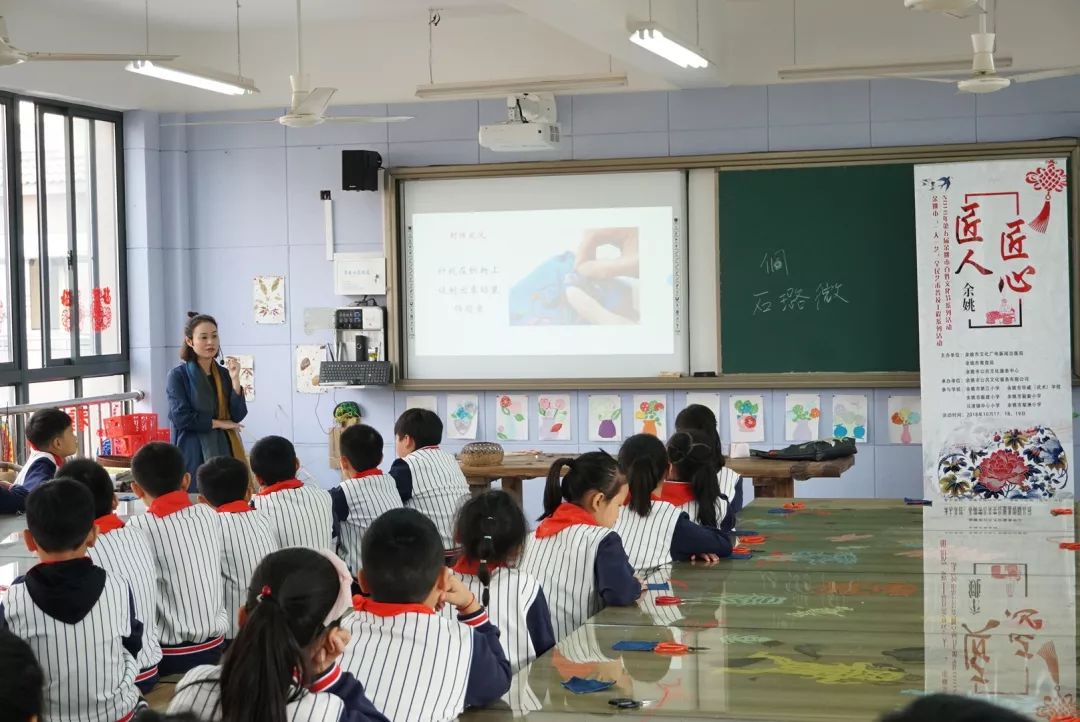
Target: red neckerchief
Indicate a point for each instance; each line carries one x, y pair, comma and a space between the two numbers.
59, 460
566, 515
234, 507
365, 474
387, 609
281, 486
108, 523
464, 565
170, 503
677, 493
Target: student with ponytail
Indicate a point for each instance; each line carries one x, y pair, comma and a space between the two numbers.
697, 417
654, 531
282, 666
693, 484
491, 531
575, 553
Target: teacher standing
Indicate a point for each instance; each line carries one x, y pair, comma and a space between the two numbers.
206, 400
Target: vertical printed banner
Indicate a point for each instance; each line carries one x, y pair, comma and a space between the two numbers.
993, 257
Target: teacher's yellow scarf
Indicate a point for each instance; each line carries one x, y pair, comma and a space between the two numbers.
235, 445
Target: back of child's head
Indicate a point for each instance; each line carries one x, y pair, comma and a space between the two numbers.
273, 459
60, 515
592, 471
46, 425
693, 458
290, 596
697, 417
362, 447
402, 557
223, 479
424, 427
158, 468
94, 477
491, 528
149, 715
21, 680
643, 460
953, 708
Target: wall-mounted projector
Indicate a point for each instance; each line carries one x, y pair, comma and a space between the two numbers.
530, 125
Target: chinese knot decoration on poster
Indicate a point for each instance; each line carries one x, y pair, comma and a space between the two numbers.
993, 255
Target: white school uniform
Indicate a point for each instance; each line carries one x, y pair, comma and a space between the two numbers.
647, 539
438, 489
199, 692
57, 462
300, 517
728, 481
565, 566
247, 539
89, 675
414, 667
187, 548
368, 498
127, 554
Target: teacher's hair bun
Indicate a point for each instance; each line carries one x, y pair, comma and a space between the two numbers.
192, 314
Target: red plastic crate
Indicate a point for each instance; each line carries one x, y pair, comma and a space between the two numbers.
161, 435
129, 424
129, 444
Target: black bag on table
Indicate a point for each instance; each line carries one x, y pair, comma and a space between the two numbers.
821, 450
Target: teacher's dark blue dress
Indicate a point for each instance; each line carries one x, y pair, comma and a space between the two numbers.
192, 411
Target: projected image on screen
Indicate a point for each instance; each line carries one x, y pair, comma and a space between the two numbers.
596, 283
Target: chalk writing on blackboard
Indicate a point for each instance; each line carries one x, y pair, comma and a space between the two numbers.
794, 299
775, 262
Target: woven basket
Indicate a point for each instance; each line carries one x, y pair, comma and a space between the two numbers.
481, 453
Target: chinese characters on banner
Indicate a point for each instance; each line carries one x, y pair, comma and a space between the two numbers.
993, 283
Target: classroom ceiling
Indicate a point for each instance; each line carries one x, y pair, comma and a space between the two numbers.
377, 51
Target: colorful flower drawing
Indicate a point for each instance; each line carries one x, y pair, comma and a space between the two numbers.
746, 418
511, 424
905, 420
462, 413
604, 414
1011, 464
850, 416
553, 415
652, 414
803, 414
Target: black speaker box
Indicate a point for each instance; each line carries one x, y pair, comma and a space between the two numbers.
360, 170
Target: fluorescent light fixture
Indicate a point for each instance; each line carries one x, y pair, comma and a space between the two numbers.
205, 79
502, 88
836, 72
656, 40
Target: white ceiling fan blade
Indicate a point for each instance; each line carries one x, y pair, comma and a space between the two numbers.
368, 118
947, 81
1046, 74
111, 57
218, 122
315, 102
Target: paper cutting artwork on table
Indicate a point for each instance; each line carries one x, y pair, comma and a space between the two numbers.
849, 416
247, 375
746, 417
905, 420
553, 417
431, 403
511, 420
268, 299
605, 417
650, 416
462, 411
802, 414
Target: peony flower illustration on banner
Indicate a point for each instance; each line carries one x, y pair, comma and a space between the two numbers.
553, 417
1011, 464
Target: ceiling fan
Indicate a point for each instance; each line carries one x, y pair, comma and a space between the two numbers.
11, 55
308, 107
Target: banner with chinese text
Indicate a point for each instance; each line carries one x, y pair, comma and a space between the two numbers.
993, 254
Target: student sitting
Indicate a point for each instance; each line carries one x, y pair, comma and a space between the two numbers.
574, 553
491, 529
186, 541
21, 680
79, 620
416, 665
697, 417
655, 533
51, 437
282, 666
428, 478
300, 514
366, 494
124, 552
247, 537
693, 482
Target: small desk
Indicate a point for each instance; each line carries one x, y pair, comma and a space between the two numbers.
772, 478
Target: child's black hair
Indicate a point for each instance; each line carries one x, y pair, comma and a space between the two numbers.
291, 592
402, 557
693, 458
94, 477
490, 528
158, 468
592, 471
425, 427
643, 460
362, 445
697, 417
45, 425
953, 708
223, 479
60, 515
273, 459
149, 715
21, 680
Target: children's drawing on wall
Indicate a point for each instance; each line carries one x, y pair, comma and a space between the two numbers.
747, 417
431, 403
462, 413
905, 420
511, 422
605, 414
309, 359
553, 417
802, 417
247, 374
850, 414
268, 299
650, 415
709, 401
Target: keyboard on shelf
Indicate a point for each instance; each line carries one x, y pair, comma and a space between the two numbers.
355, 373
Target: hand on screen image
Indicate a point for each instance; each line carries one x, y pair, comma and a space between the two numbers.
588, 264
603, 290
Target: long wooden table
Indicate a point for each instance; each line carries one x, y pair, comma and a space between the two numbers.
772, 478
